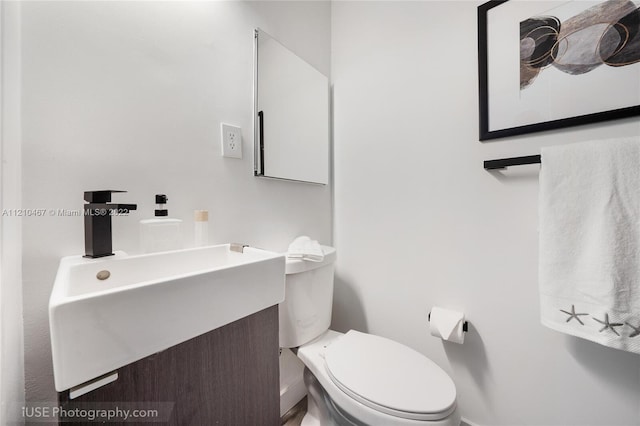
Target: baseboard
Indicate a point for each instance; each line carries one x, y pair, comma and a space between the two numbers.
465, 422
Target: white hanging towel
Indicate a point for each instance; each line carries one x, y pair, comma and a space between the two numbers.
590, 241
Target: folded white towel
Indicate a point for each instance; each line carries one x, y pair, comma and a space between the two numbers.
590, 241
305, 248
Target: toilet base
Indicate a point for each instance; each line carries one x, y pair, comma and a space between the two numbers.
321, 411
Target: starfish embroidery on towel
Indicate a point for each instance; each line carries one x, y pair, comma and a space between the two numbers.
636, 330
609, 325
573, 314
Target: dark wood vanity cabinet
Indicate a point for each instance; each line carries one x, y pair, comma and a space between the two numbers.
228, 377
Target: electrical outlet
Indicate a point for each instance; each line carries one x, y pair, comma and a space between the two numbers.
231, 141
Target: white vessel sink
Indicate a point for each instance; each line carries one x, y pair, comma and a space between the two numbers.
151, 302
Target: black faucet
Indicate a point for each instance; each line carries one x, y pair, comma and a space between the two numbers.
97, 222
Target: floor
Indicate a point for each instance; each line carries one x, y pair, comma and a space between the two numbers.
294, 416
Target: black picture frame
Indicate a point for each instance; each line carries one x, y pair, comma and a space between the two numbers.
483, 76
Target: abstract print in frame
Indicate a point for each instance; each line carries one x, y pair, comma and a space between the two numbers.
551, 64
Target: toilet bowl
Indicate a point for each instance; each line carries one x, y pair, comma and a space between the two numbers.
357, 378
363, 379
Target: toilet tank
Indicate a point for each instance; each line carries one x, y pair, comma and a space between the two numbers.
308, 297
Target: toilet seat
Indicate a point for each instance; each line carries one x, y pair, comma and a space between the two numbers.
389, 377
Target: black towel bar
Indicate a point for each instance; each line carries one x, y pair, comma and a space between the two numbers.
502, 163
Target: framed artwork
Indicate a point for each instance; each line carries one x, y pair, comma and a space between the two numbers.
545, 65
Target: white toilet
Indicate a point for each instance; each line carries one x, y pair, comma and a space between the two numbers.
357, 378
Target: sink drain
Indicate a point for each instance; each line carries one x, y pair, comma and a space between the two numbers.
103, 275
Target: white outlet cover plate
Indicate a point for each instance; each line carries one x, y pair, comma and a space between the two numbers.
231, 137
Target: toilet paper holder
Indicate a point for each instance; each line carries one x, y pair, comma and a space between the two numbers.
465, 325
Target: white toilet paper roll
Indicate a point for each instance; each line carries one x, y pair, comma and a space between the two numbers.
447, 324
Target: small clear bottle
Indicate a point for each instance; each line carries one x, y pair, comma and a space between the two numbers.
201, 228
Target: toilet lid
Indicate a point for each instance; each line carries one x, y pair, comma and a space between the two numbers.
390, 377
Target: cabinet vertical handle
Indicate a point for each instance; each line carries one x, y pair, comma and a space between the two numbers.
261, 136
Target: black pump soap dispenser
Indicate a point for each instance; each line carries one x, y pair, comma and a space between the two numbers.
160, 233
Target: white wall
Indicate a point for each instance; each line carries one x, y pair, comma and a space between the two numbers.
11, 326
419, 222
130, 95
